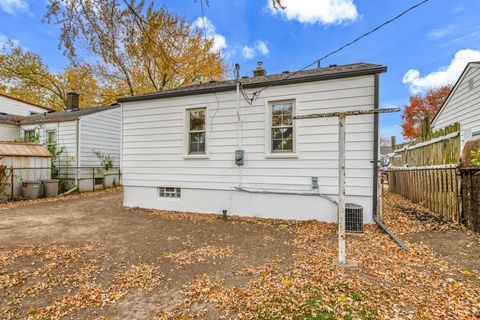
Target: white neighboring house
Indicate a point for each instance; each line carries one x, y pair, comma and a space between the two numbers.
10, 106
79, 132
462, 105
178, 146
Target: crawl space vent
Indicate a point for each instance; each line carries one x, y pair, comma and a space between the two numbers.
353, 217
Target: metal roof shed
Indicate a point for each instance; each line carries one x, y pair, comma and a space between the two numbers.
22, 161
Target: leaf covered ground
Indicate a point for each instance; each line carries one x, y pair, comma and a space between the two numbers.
90, 258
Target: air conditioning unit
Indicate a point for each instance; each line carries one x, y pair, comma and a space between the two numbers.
353, 217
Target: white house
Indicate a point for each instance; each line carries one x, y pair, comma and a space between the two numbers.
462, 105
16, 107
79, 132
10, 106
179, 146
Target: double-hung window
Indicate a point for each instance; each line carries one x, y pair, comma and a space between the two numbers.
196, 131
282, 128
51, 137
29, 135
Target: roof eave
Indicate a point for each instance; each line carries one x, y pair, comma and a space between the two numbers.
174, 94
454, 88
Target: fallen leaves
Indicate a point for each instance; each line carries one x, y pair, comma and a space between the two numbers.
71, 280
189, 256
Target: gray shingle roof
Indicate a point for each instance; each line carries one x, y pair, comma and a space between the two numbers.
58, 116
332, 72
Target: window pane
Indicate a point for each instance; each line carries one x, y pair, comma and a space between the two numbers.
287, 120
197, 120
282, 139
197, 142
276, 121
287, 108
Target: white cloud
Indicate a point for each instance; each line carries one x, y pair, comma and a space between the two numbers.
442, 32
261, 47
248, 52
205, 25
13, 6
444, 75
317, 11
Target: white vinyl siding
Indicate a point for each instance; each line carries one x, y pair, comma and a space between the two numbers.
18, 108
463, 105
100, 131
66, 137
9, 132
153, 146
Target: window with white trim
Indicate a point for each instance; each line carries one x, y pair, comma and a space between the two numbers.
51, 137
196, 131
169, 192
29, 135
282, 127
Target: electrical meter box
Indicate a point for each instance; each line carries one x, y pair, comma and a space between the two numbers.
239, 157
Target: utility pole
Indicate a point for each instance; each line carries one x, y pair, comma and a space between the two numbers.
341, 166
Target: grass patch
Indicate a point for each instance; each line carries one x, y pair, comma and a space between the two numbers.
318, 304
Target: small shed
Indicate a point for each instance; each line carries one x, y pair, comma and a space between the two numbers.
20, 162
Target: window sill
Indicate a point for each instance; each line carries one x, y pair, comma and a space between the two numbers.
281, 156
195, 156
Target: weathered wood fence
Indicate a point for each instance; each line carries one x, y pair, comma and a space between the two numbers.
440, 147
471, 197
437, 189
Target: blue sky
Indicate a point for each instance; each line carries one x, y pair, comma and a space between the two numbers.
427, 48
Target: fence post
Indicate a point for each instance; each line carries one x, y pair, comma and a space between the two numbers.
12, 189
93, 179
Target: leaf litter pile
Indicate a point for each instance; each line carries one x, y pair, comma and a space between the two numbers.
80, 280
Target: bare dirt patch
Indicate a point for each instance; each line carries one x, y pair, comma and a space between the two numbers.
89, 258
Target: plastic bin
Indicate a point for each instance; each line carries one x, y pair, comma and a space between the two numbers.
31, 189
50, 187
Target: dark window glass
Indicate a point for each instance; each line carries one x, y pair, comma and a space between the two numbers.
29, 135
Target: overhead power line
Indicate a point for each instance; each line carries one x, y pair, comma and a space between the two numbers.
256, 93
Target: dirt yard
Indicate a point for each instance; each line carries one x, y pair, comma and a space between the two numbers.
87, 257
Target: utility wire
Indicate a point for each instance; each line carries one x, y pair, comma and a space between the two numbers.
203, 21
256, 93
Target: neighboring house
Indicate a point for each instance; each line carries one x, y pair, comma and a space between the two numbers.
462, 105
16, 107
77, 131
178, 146
10, 106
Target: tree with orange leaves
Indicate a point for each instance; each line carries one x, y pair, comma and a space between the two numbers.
421, 107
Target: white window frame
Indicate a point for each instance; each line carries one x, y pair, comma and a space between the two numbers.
268, 130
169, 192
46, 136
186, 142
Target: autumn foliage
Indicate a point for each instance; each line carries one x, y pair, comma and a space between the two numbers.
421, 107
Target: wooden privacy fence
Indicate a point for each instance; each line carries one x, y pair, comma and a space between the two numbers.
471, 197
437, 189
438, 148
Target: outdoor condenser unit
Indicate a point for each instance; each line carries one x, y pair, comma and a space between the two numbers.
353, 217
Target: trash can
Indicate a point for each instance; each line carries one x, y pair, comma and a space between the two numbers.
50, 187
31, 189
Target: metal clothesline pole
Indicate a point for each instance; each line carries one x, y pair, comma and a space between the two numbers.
341, 166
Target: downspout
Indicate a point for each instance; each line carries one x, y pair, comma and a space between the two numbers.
375, 166
239, 110
77, 151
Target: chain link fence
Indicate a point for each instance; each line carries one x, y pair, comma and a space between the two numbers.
22, 183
